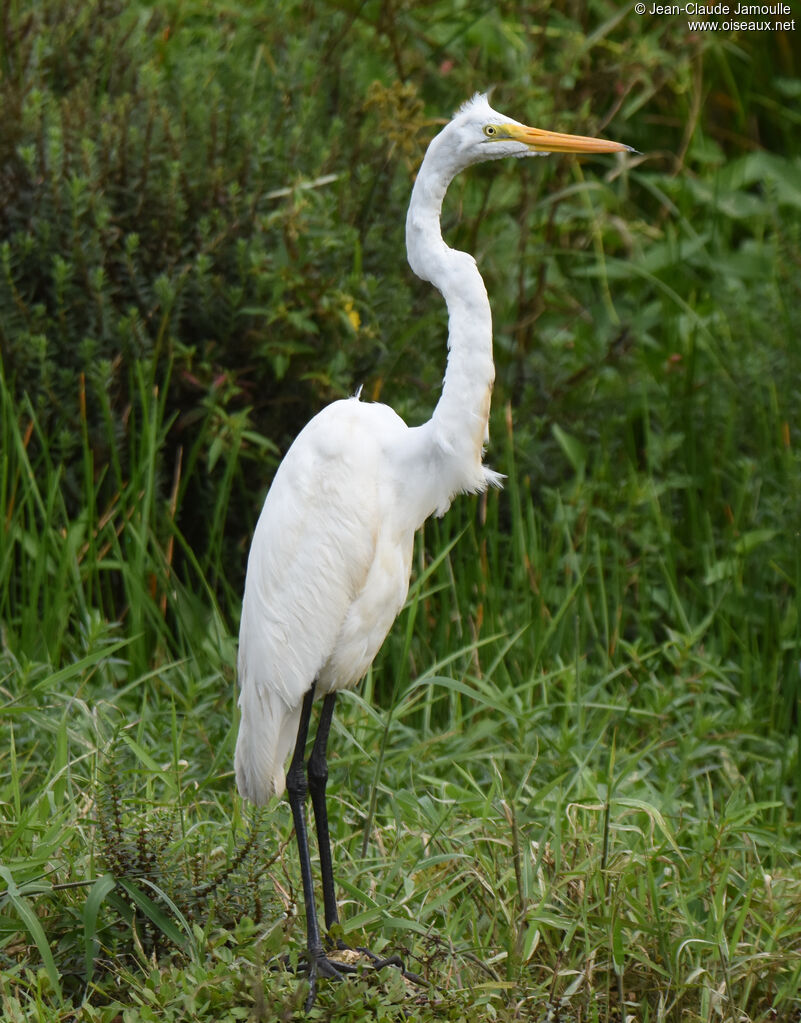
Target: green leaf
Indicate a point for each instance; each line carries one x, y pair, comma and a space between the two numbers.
573, 448
618, 948
156, 914
97, 895
29, 918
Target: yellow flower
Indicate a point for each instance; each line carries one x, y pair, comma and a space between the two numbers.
352, 314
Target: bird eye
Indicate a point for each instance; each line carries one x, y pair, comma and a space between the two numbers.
490, 131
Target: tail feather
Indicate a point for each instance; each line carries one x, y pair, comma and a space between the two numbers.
267, 732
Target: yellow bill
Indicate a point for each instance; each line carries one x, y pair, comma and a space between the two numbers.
555, 142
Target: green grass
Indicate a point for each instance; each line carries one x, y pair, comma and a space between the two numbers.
559, 790
568, 790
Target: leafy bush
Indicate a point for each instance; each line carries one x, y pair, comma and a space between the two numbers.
220, 193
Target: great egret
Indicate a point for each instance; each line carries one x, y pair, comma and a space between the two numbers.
330, 561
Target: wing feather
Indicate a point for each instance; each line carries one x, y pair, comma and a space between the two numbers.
312, 553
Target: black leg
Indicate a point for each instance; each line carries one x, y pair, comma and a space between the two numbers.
318, 776
296, 788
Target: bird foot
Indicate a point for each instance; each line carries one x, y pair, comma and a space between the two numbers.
343, 961
348, 961
378, 963
319, 965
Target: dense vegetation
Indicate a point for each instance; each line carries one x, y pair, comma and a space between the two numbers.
569, 787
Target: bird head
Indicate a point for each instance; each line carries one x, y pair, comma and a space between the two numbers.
481, 133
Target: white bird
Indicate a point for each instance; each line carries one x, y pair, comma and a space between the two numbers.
330, 561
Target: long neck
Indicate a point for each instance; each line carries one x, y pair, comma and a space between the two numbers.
460, 418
